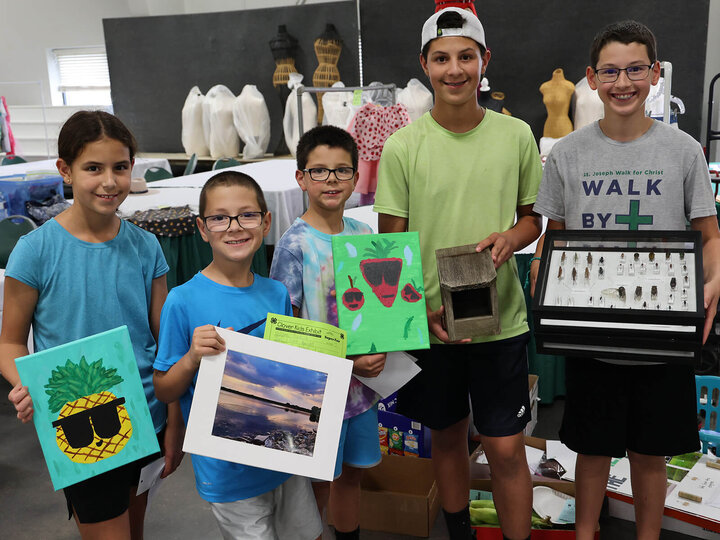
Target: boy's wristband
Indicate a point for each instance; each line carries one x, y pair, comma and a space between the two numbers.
534, 259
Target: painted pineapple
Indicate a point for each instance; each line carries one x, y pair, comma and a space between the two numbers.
93, 423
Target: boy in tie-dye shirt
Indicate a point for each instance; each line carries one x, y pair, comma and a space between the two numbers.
327, 160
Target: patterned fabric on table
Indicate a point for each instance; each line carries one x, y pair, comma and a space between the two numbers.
172, 221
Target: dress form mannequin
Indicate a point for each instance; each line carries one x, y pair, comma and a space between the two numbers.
283, 47
327, 49
588, 105
557, 94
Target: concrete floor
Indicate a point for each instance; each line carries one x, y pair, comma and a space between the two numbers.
30, 509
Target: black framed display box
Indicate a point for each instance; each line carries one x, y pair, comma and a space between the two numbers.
626, 295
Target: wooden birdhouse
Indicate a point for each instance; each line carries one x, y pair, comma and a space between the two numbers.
469, 291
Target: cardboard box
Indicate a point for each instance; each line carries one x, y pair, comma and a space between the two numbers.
480, 479
411, 438
399, 496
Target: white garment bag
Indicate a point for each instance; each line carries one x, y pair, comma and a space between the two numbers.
252, 121
337, 107
193, 136
222, 139
416, 97
290, 122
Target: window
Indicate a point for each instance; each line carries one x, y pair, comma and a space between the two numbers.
79, 76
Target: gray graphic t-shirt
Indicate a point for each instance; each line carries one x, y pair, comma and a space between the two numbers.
657, 181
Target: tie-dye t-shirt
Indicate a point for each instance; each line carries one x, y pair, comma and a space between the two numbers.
303, 262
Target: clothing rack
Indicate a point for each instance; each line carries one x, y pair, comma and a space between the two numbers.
667, 75
314, 90
711, 134
42, 105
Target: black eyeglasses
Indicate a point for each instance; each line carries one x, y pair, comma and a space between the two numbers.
221, 222
634, 73
105, 422
321, 174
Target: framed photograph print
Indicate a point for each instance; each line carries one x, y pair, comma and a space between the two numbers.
269, 405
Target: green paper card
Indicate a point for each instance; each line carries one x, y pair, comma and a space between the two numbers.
380, 293
91, 414
311, 335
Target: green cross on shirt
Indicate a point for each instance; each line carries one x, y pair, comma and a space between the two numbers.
633, 219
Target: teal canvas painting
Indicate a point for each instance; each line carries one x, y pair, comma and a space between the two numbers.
91, 414
380, 293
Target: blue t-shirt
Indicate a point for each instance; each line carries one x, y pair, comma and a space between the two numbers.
303, 261
202, 301
85, 288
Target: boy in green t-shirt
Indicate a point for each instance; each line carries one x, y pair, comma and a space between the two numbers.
459, 175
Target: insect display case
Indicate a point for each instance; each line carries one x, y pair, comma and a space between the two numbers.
627, 295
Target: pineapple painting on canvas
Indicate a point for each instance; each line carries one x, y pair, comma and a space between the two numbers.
91, 410
93, 423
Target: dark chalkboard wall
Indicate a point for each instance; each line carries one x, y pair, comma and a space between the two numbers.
154, 61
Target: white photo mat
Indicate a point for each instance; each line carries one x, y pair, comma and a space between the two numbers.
200, 440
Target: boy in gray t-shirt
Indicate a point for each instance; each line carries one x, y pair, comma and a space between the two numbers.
629, 172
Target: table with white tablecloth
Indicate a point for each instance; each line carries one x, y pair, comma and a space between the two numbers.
188, 254
276, 177
48, 165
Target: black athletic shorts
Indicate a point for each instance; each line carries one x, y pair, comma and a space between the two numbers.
493, 374
107, 495
648, 409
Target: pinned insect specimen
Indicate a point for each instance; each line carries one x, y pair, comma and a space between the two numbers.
651, 256
631, 269
620, 269
615, 292
574, 274
673, 283
653, 292
587, 273
601, 273
589, 258
636, 257
638, 292
560, 272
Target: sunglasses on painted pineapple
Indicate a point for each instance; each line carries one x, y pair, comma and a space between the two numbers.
105, 423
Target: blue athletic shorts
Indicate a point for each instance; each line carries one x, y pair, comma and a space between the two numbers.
359, 442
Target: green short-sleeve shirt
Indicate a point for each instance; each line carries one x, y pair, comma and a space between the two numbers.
458, 188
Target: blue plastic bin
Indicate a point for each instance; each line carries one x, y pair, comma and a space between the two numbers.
20, 188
